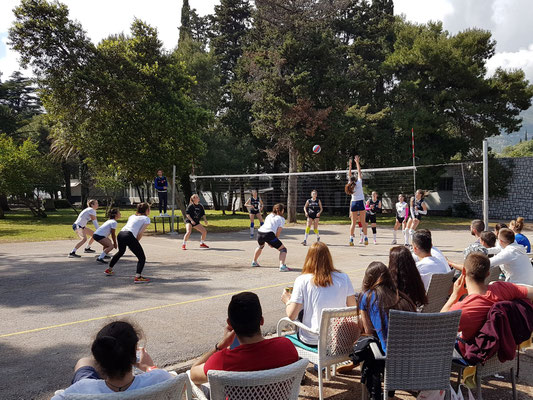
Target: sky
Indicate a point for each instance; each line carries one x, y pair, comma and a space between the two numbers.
510, 21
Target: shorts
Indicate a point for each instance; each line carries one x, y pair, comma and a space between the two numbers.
270, 238
418, 217
400, 219
75, 227
86, 372
370, 218
98, 237
254, 212
312, 215
358, 205
189, 222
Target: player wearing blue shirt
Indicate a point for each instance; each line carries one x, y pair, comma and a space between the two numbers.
516, 227
161, 185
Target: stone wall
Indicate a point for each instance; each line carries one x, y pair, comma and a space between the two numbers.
519, 199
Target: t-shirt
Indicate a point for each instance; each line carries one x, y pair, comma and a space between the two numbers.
105, 229
475, 247
315, 298
358, 193
435, 252
515, 264
272, 223
266, 354
195, 211
429, 266
375, 317
85, 217
95, 386
135, 223
402, 209
475, 307
523, 240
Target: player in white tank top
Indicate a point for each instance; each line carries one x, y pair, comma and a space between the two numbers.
357, 207
402, 213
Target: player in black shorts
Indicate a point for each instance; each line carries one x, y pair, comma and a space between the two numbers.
418, 207
313, 210
255, 208
193, 214
269, 234
373, 206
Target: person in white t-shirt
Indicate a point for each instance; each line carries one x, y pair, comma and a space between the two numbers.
80, 227
269, 234
513, 259
402, 213
129, 237
110, 369
320, 286
427, 264
102, 235
354, 188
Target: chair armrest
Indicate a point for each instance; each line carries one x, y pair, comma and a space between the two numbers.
378, 355
193, 391
295, 323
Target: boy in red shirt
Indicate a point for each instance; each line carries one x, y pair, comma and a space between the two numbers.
481, 297
255, 353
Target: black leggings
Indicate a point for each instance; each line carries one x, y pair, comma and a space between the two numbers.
163, 200
126, 239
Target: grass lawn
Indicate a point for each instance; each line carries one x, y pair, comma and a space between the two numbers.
20, 225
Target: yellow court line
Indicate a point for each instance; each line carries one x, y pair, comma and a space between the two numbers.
139, 311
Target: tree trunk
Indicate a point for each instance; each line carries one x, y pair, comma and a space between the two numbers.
2, 215
140, 192
84, 182
292, 190
214, 196
230, 197
4, 206
66, 176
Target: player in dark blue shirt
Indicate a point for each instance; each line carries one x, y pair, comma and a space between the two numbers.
255, 208
161, 185
194, 213
312, 209
373, 206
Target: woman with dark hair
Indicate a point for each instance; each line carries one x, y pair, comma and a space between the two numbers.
405, 275
110, 369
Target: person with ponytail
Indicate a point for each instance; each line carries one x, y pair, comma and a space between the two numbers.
418, 208
312, 209
110, 368
516, 226
255, 209
195, 211
101, 235
354, 188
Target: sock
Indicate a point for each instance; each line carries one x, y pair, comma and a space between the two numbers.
201, 241
351, 238
184, 242
316, 233
102, 255
88, 247
307, 230
406, 236
261, 223
394, 234
411, 233
74, 250
137, 275
251, 228
374, 236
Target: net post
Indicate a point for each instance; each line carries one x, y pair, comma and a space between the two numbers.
172, 231
414, 164
486, 183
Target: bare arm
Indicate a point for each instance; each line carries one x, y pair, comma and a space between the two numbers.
305, 207
190, 219
278, 232
349, 169
321, 209
205, 220
359, 173
141, 232
456, 266
458, 288
350, 301
114, 237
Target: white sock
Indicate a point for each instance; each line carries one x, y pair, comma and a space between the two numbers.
201, 241
411, 233
88, 247
306, 236
351, 238
406, 236
394, 234
74, 250
102, 255
374, 236
251, 230
184, 242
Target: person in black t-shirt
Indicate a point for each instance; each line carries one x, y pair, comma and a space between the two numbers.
193, 214
373, 206
312, 209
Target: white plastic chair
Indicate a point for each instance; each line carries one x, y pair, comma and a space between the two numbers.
438, 291
272, 384
339, 330
171, 389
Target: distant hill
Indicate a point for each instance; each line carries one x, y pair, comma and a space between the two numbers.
498, 143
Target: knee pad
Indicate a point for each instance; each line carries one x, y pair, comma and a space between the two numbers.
284, 250
251, 224
316, 231
307, 230
360, 225
374, 229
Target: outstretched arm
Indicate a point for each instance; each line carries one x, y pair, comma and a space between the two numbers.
358, 164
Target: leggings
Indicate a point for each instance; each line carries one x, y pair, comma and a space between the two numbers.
126, 239
163, 201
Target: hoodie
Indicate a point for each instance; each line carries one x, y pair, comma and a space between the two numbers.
515, 264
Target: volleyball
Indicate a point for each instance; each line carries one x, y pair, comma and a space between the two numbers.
316, 149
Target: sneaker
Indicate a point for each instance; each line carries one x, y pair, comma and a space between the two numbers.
366, 241
204, 246
165, 215
141, 279
284, 268
251, 236
107, 257
375, 242
73, 255
304, 242
109, 272
255, 264
89, 250
361, 241
318, 238
394, 241
101, 260
183, 247
351, 243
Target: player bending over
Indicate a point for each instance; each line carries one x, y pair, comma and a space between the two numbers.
312, 209
194, 212
373, 206
80, 227
255, 208
101, 235
269, 233
402, 213
418, 207
354, 188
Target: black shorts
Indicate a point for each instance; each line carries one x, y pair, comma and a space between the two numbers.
98, 237
312, 215
418, 217
270, 238
400, 219
370, 218
189, 222
254, 212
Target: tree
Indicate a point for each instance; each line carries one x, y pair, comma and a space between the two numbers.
523, 149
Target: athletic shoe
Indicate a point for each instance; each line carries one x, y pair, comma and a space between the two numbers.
109, 272
366, 241
251, 236
107, 256
284, 268
254, 264
204, 246
304, 242
101, 260
165, 215
183, 247
73, 255
394, 241
351, 243
375, 242
361, 241
89, 250
318, 238
141, 279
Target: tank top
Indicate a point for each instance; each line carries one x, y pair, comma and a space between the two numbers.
401, 209
255, 203
418, 205
313, 205
373, 207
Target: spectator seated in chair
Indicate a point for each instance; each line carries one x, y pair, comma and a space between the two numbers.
427, 264
476, 227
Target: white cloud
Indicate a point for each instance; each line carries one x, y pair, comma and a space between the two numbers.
522, 59
422, 11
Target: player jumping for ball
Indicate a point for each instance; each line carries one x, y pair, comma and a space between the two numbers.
402, 213
255, 208
354, 188
373, 206
312, 209
194, 212
269, 233
418, 208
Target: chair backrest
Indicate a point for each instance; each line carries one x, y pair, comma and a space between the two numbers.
494, 274
272, 384
420, 349
171, 389
339, 330
438, 291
